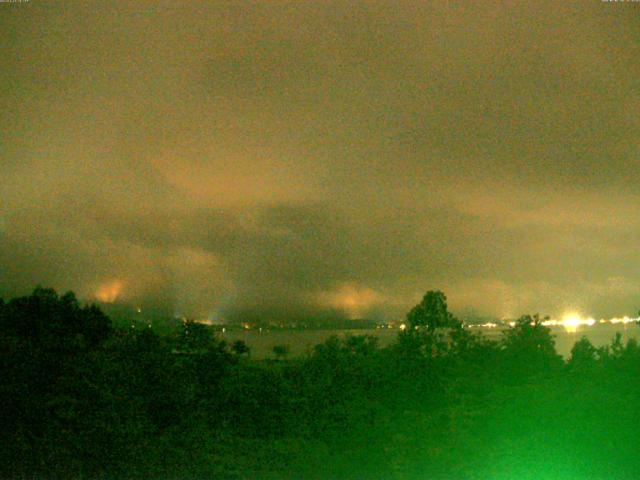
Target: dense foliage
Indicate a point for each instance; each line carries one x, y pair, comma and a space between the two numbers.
83, 400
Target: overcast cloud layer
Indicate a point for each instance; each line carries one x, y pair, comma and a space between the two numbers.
296, 160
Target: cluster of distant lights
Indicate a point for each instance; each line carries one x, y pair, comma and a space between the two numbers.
570, 321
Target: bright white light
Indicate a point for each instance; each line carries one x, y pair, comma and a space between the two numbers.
624, 320
572, 320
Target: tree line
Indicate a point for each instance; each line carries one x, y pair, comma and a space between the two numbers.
82, 399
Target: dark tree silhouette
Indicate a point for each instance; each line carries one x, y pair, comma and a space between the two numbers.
239, 347
529, 348
361, 344
82, 401
195, 337
431, 312
45, 317
280, 351
583, 354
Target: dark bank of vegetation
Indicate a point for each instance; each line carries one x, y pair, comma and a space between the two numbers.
80, 399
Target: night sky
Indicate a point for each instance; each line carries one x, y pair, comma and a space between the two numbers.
279, 160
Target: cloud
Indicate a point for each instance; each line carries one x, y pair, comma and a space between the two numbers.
321, 160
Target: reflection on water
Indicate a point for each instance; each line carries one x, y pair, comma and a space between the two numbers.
302, 342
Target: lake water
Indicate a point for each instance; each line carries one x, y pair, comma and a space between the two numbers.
301, 342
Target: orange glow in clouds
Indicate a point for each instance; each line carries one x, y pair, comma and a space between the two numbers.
109, 292
353, 300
